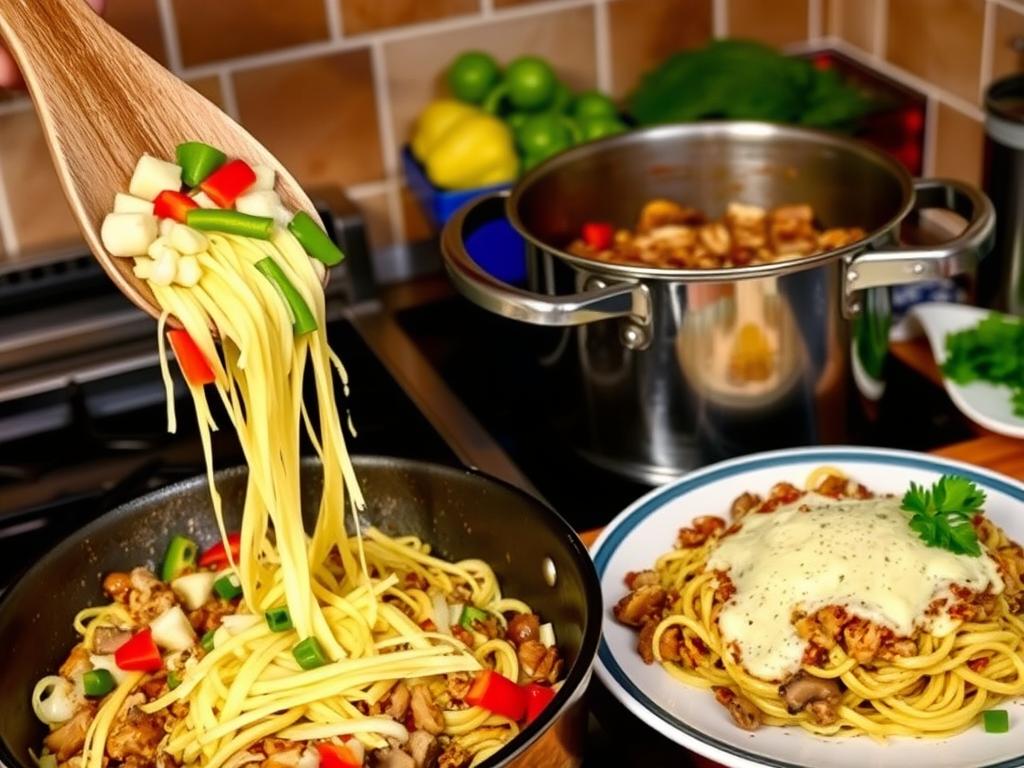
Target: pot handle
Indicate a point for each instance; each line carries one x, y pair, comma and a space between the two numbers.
476, 284
916, 264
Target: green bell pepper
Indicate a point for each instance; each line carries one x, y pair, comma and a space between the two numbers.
179, 557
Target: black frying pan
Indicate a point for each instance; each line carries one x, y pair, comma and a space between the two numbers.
461, 513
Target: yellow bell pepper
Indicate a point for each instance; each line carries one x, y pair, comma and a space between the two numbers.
463, 147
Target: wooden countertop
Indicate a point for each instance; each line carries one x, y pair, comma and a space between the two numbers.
989, 450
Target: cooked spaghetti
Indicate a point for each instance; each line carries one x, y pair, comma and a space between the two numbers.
275, 647
822, 608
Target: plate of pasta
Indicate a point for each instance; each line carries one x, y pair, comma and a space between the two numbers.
822, 606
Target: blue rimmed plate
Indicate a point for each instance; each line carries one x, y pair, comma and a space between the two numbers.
690, 716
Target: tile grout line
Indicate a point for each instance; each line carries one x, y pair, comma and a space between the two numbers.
602, 46
334, 23
719, 18
8, 232
880, 33
386, 137
368, 188
931, 126
1011, 5
907, 78
324, 47
988, 42
227, 93
169, 32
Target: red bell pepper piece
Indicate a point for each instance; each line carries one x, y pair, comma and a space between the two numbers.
537, 698
171, 204
139, 653
598, 234
228, 182
337, 756
217, 556
498, 694
193, 365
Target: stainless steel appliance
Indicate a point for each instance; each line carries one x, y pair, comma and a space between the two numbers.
651, 348
1001, 275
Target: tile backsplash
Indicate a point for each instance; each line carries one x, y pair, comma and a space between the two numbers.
333, 86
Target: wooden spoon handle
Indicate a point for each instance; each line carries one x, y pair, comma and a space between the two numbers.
40, 33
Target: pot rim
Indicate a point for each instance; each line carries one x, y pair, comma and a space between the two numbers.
744, 129
576, 679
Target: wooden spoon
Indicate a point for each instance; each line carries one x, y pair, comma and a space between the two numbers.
103, 103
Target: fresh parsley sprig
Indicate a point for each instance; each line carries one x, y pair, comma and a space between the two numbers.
942, 515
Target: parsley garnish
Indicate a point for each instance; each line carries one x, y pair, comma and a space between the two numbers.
942, 515
992, 351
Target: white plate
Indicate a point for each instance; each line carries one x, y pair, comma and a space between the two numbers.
691, 717
987, 404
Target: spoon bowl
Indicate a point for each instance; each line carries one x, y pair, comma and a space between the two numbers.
103, 103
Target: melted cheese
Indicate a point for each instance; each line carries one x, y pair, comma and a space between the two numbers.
861, 555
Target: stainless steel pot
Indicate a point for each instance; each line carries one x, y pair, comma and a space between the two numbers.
535, 554
650, 356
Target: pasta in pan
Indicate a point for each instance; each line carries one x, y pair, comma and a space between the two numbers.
821, 608
275, 647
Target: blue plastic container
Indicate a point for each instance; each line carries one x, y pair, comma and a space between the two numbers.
439, 204
495, 246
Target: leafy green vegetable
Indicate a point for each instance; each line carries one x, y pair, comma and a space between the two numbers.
992, 351
743, 80
942, 515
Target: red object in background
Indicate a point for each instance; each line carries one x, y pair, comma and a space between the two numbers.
171, 204
598, 234
216, 556
699, 761
897, 120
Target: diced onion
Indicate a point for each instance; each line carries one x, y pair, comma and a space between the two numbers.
547, 635
128, 234
187, 272
203, 200
194, 589
186, 240
152, 176
441, 618
143, 267
172, 630
237, 623
311, 759
265, 177
54, 700
107, 662
258, 202
455, 612
165, 227
130, 204
47, 761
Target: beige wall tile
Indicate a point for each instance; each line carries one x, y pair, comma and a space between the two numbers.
210, 30
959, 145
779, 22
210, 88
853, 21
42, 218
319, 116
644, 32
1009, 27
513, 3
415, 66
939, 40
360, 16
139, 21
